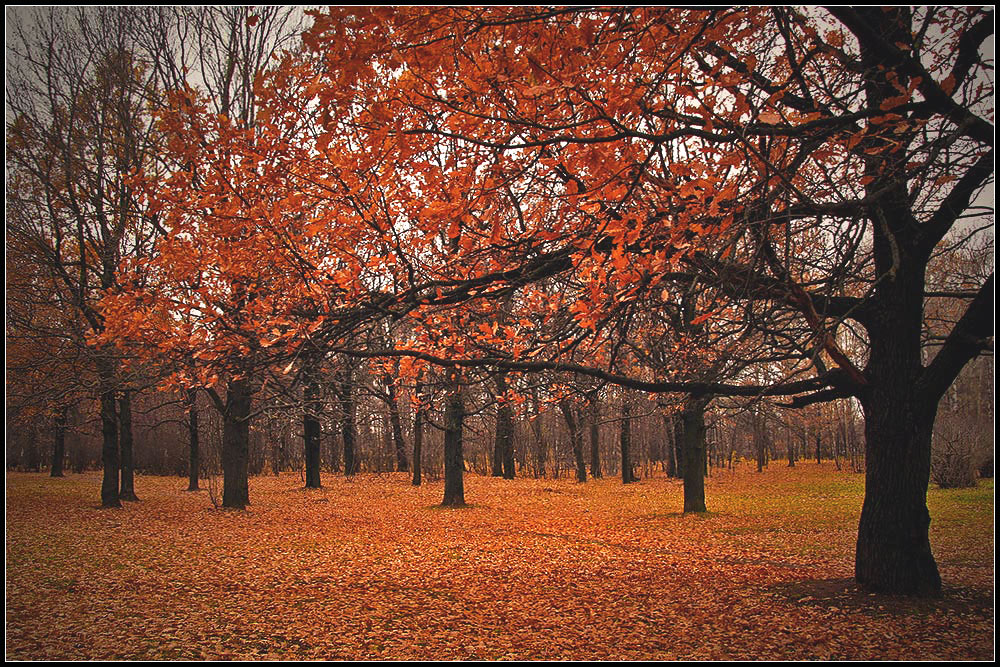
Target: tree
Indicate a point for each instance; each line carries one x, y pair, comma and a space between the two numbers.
76, 93
810, 138
803, 166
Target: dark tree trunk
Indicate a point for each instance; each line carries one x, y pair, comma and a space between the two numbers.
110, 495
59, 444
670, 436
575, 438
503, 446
893, 549
236, 445
625, 442
349, 428
791, 447
275, 448
496, 461
418, 434
194, 455
541, 445
336, 437
760, 440
125, 443
311, 426
693, 446
402, 462
679, 453
454, 461
595, 437
505, 437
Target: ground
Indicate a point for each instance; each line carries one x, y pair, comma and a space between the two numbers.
371, 568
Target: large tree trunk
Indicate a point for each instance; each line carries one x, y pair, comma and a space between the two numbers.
236, 446
125, 443
454, 461
59, 444
194, 455
693, 446
311, 426
893, 549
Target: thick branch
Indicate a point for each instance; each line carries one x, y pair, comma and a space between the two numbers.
971, 335
696, 389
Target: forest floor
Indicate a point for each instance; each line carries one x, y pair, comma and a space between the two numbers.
371, 568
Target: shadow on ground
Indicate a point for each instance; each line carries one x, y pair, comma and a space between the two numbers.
845, 594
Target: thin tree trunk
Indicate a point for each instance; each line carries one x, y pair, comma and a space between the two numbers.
670, 436
418, 434
59, 444
576, 439
503, 446
194, 456
349, 427
541, 445
595, 437
625, 442
402, 462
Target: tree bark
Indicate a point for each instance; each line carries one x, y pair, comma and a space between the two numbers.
893, 549
454, 461
348, 423
110, 489
418, 434
693, 446
790, 445
402, 462
575, 438
311, 425
236, 445
670, 436
503, 445
625, 442
541, 445
127, 491
595, 437
760, 439
59, 444
194, 455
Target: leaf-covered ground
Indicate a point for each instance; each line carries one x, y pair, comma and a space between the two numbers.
543, 569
